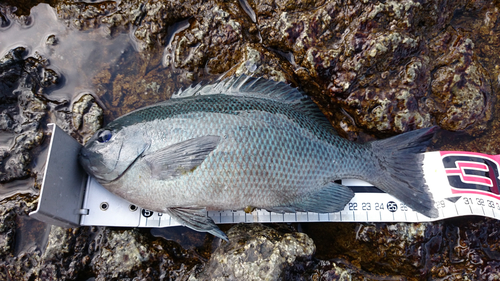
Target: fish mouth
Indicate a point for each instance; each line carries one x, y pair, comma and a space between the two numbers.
84, 159
86, 164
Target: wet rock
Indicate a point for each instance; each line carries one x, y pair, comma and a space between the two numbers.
86, 117
7, 230
4, 21
260, 62
51, 40
461, 92
25, 82
376, 67
380, 248
150, 20
122, 254
143, 83
83, 16
16, 236
11, 69
371, 60
95, 252
255, 252
202, 45
367, 64
394, 102
335, 269
21, 110
461, 247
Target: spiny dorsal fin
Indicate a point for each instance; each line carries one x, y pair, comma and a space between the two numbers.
260, 88
246, 86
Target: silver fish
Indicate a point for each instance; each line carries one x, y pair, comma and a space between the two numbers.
247, 143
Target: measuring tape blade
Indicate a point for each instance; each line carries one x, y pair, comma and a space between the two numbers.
462, 183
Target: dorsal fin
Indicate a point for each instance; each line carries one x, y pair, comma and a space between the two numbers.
260, 88
246, 86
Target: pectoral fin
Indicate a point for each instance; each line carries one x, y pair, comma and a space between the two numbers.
331, 198
180, 158
196, 219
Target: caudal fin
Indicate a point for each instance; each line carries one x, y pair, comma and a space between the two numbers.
402, 175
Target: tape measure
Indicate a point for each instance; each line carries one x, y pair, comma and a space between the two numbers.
461, 183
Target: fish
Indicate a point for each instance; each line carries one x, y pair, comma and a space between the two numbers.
244, 143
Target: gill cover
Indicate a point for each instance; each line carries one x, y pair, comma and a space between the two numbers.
110, 152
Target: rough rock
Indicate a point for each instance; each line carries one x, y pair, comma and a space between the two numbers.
461, 92
86, 117
456, 248
255, 252
375, 68
371, 59
91, 252
21, 111
371, 65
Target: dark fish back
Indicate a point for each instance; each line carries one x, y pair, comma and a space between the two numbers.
224, 104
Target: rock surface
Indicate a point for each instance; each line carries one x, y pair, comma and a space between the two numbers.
376, 68
462, 248
255, 252
21, 110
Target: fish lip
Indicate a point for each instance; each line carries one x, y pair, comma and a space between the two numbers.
83, 158
84, 161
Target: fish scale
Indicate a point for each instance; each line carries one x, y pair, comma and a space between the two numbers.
215, 168
246, 143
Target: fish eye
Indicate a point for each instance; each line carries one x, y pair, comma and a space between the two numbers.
104, 136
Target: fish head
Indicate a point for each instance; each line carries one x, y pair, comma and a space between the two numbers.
110, 152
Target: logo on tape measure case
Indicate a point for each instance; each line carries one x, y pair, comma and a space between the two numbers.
471, 171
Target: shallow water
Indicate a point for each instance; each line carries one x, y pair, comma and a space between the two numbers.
17, 186
6, 140
76, 55
31, 235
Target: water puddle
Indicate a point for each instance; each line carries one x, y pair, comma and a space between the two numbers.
31, 235
6, 140
76, 55
248, 9
15, 187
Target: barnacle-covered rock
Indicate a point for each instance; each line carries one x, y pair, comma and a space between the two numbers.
453, 248
259, 62
372, 59
255, 252
212, 41
90, 252
376, 67
461, 93
368, 64
86, 117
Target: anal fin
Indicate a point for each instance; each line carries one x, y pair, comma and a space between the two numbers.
331, 198
196, 219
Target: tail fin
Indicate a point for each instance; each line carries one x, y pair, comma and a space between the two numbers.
400, 160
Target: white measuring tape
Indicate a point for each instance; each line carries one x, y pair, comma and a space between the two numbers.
462, 183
